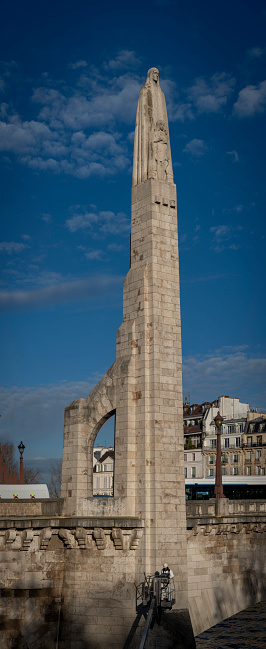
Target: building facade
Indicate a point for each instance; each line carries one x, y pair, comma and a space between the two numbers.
243, 438
254, 446
103, 471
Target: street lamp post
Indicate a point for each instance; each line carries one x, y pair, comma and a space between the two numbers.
218, 489
21, 448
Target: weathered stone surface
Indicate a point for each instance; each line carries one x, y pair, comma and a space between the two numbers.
67, 578
226, 572
144, 385
69, 568
152, 153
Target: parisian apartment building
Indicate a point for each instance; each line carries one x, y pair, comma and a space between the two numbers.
103, 471
243, 442
243, 438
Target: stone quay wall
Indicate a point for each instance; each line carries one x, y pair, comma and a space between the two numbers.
226, 558
69, 582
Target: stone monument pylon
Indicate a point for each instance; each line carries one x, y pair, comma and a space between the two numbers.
144, 385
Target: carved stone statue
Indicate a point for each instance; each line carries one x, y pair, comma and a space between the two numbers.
152, 153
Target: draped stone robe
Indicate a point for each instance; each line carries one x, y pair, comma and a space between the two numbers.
152, 153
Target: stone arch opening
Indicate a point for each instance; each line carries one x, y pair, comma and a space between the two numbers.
103, 456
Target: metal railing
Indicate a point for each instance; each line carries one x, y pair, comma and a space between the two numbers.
224, 448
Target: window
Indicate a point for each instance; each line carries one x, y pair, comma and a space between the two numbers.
235, 470
105, 482
249, 441
193, 457
236, 458
248, 470
185, 457
185, 472
224, 470
193, 472
231, 428
241, 428
226, 443
263, 471
248, 456
212, 459
259, 440
211, 472
105, 468
257, 455
97, 483
213, 443
238, 442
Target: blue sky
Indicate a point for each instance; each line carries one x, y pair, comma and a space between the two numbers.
70, 77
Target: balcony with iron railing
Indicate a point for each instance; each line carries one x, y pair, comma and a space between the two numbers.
224, 448
253, 445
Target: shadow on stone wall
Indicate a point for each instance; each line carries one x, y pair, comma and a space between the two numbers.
244, 581
36, 619
28, 618
172, 631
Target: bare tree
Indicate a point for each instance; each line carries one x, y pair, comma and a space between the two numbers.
31, 475
54, 484
7, 452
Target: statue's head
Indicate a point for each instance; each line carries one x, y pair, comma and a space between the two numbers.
153, 76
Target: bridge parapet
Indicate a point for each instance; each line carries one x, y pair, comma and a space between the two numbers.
96, 532
218, 516
225, 507
226, 558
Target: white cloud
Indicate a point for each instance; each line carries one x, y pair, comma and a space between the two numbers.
251, 100
95, 255
221, 232
103, 103
38, 414
115, 247
20, 137
226, 371
76, 132
196, 148
107, 222
92, 254
81, 221
210, 96
11, 247
125, 59
7, 69
224, 236
256, 52
234, 155
77, 65
59, 293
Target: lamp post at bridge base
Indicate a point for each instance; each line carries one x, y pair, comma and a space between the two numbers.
218, 489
